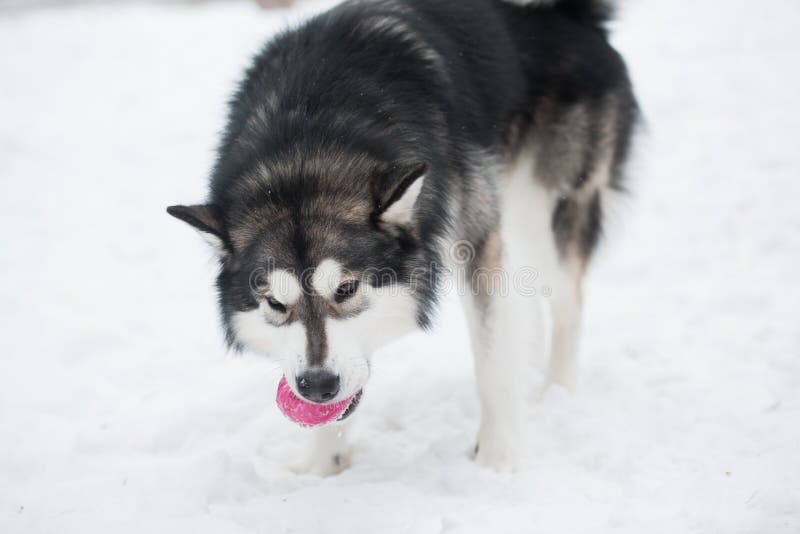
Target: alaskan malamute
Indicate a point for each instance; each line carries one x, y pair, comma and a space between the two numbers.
387, 147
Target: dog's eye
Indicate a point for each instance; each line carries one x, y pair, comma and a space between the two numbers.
346, 290
259, 282
275, 305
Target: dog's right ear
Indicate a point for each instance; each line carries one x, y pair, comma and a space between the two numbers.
397, 193
207, 219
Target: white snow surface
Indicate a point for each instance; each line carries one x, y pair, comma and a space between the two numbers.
121, 411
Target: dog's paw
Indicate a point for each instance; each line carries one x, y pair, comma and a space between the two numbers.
322, 465
503, 456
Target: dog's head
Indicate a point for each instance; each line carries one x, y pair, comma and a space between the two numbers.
320, 265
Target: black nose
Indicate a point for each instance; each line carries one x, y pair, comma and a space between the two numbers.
318, 385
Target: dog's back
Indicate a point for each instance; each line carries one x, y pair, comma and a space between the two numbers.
438, 80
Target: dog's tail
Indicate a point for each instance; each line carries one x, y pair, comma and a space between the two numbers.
594, 12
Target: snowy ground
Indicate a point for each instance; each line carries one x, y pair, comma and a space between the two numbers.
120, 411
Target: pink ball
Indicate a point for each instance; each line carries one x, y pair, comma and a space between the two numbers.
306, 413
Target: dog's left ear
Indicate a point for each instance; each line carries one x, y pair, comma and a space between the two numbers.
207, 219
398, 192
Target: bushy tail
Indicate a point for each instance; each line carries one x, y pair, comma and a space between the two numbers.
595, 12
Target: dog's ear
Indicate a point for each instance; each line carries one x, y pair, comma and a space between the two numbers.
207, 219
398, 191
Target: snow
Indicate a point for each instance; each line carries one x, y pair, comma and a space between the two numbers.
121, 412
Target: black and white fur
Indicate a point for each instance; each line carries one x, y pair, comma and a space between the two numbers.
369, 148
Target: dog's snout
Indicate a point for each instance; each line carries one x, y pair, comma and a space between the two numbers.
318, 385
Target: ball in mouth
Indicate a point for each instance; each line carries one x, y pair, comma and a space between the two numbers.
310, 414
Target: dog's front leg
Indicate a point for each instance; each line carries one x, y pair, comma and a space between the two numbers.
328, 453
499, 370
497, 329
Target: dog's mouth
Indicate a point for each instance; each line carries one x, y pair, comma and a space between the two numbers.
310, 414
354, 400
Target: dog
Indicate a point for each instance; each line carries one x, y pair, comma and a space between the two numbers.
385, 147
